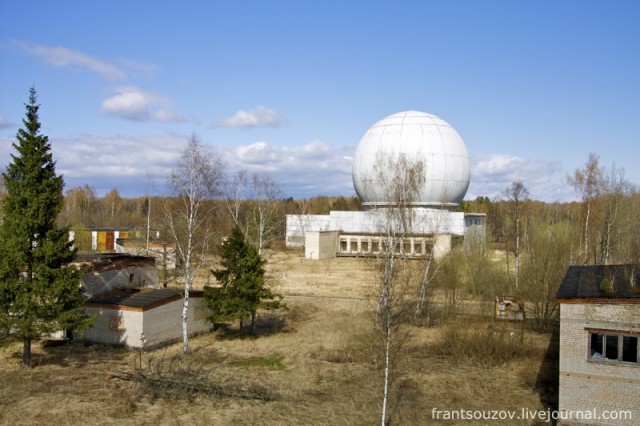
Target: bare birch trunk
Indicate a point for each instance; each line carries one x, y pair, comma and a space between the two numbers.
185, 320
387, 368
517, 252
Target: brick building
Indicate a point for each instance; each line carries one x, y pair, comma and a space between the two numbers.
599, 359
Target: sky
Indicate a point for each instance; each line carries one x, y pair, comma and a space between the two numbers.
288, 88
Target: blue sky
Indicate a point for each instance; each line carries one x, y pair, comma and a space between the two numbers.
290, 87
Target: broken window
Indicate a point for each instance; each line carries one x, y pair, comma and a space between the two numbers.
629, 349
613, 347
407, 247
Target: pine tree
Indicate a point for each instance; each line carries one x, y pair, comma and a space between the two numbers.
242, 291
40, 291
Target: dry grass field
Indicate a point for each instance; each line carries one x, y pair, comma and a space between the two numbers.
315, 364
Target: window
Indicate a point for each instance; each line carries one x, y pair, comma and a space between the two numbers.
407, 247
611, 346
418, 248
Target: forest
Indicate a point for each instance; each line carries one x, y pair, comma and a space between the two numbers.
601, 228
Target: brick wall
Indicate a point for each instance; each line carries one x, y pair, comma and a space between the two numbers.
590, 386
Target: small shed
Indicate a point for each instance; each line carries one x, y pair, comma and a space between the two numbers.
144, 318
508, 308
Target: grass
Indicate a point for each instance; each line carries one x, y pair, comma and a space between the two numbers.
270, 363
484, 341
324, 368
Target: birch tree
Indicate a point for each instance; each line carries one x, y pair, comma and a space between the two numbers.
236, 194
549, 254
616, 197
589, 182
517, 194
255, 205
399, 178
195, 181
266, 215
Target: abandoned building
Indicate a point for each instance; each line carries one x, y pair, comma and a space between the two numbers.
129, 308
442, 161
144, 318
101, 239
109, 271
599, 330
163, 251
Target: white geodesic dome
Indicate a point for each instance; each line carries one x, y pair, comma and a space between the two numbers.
417, 136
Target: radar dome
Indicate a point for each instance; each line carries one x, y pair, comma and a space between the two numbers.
417, 136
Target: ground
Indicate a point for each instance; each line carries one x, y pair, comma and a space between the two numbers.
317, 361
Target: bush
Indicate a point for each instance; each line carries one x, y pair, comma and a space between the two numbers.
484, 342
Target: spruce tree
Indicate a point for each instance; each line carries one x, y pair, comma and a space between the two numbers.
242, 288
40, 292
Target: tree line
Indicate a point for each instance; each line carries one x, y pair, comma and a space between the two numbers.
537, 240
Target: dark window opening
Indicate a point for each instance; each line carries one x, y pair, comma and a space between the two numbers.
611, 351
629, 349
596, 346
613, 347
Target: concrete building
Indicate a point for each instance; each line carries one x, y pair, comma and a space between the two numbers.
100, 238
129, 308
438, 155
144, 318
163, 251
599, 359
105, 272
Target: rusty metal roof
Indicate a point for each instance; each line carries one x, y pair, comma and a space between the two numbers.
600, 282
143, 299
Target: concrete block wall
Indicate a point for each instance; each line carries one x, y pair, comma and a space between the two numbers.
320, 245
425, 221
117, 325
586, 384
164, 323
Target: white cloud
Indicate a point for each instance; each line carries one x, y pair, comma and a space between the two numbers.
545, 180
121, 162
131, 103
64, 57
3, 122
313, 169
259, 116
316, 168
6, 149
